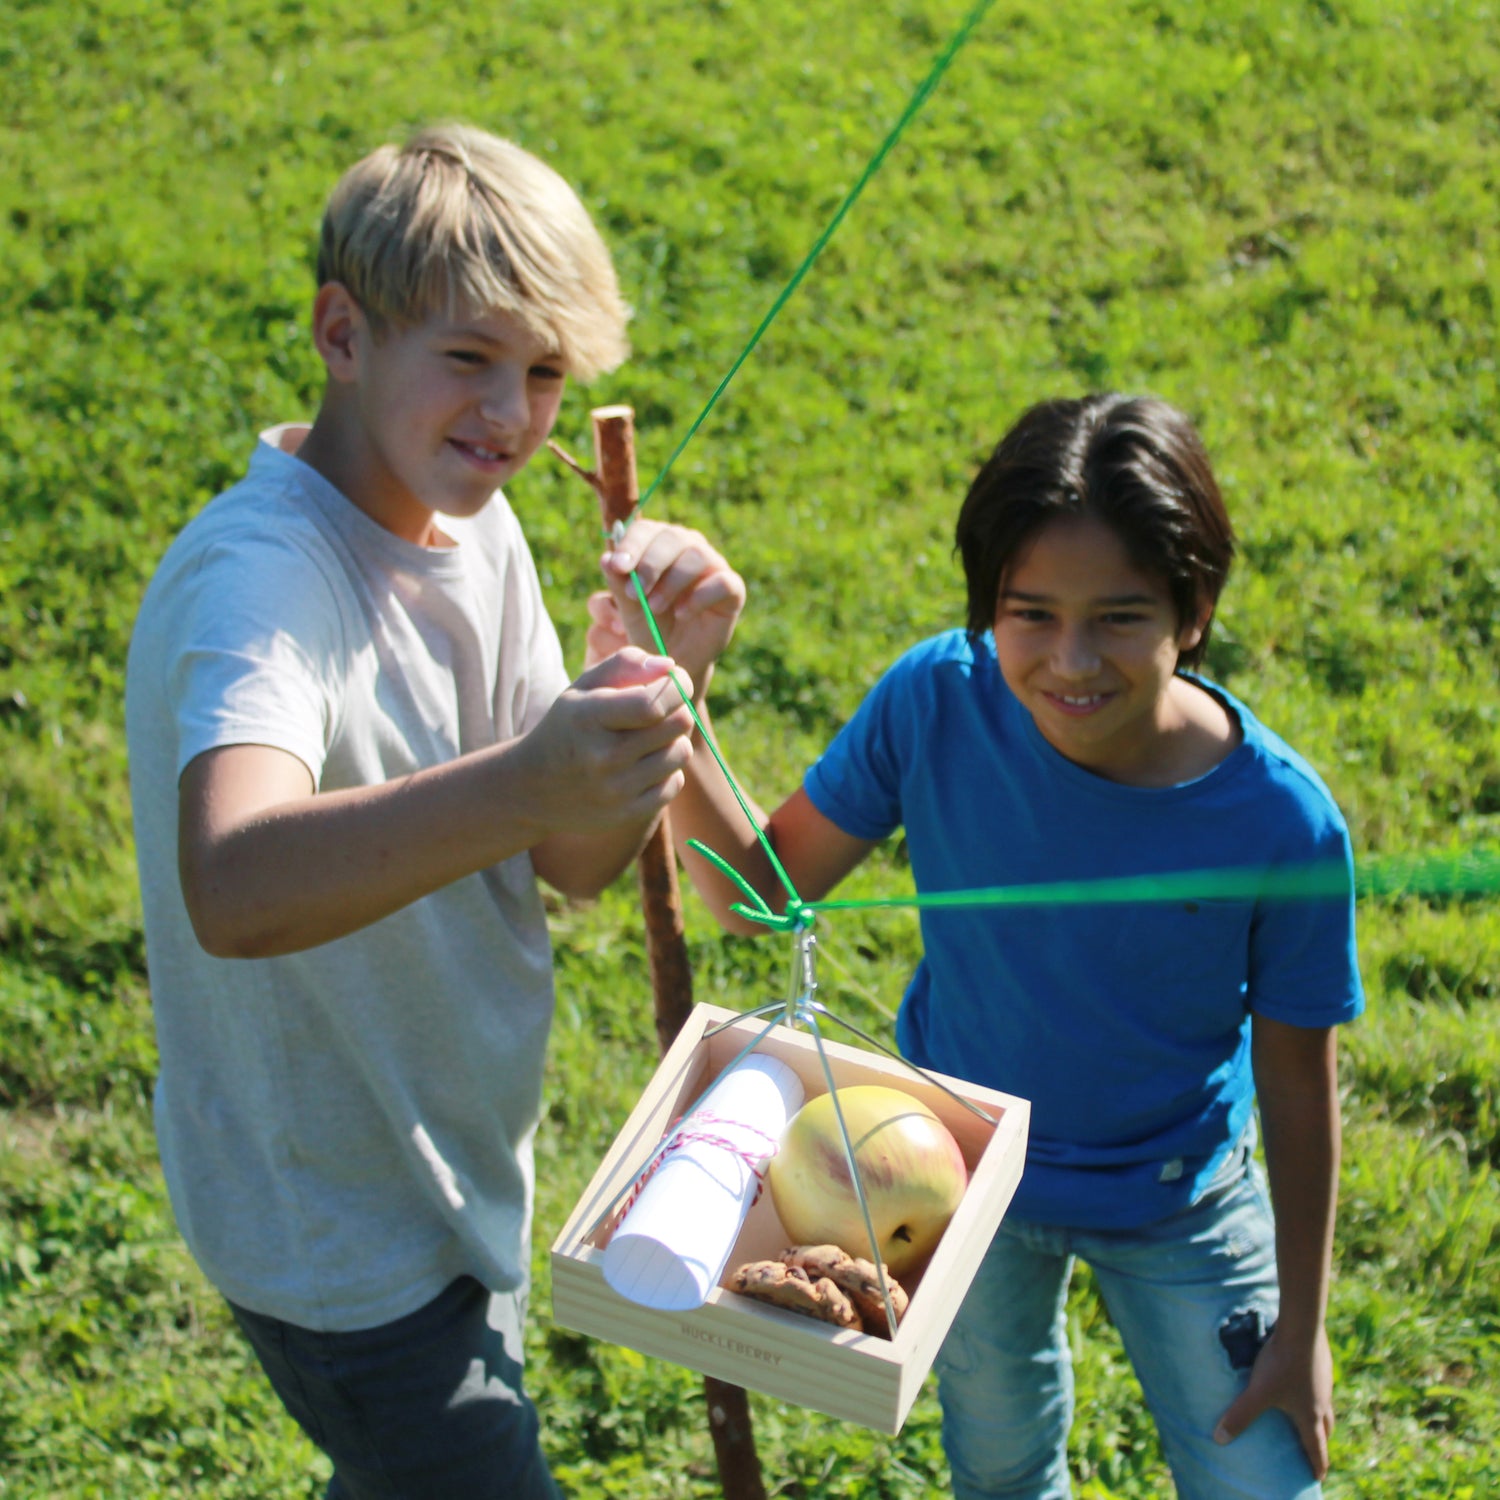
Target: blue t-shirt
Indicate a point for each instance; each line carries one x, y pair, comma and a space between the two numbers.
1127, 1026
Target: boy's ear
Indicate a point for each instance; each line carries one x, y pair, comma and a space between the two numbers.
1191, 634
338, 323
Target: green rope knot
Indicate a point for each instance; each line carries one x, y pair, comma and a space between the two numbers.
797, 916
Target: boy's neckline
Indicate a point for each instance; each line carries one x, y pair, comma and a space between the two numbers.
1209, 767
287, 438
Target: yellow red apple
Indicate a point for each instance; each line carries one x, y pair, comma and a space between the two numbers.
911, 1167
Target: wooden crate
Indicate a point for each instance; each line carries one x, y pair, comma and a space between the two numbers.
871, 1381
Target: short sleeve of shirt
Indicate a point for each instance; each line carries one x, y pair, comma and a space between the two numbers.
250, 651
856, 783
1304, 962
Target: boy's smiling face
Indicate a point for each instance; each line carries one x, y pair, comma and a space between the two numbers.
1088, 642
435, 416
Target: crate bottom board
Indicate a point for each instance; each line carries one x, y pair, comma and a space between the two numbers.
774, 1353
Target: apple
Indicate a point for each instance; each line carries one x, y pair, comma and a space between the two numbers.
911, 1167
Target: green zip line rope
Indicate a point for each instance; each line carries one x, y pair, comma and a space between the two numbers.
1472, 874
1476, 873
795, 902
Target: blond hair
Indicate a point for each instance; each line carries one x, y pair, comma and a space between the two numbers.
458, 219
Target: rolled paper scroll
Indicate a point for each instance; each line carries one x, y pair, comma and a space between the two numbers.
675, 1238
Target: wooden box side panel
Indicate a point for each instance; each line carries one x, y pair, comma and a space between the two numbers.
760, 1348
946, 1279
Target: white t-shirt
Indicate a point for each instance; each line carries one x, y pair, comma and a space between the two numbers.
346, 1129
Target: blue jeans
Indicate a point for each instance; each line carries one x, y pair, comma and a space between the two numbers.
429, 1407
1193, 1298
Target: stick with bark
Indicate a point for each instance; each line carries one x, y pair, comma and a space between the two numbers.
666, 947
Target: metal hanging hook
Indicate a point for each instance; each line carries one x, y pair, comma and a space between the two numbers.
802, 985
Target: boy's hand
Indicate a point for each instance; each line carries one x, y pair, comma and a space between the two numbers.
612, 748
1298, 1382
695, 597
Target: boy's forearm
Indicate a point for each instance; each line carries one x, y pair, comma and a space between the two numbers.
307, 868
581, 865
1297, 1086
268, 867
707, 810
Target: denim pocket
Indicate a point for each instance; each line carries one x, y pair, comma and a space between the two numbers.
1237, 1163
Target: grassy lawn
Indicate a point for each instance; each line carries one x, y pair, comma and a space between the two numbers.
1279, 214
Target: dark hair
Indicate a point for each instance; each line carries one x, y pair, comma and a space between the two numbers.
1133, 462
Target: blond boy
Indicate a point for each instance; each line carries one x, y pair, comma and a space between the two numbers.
354, 750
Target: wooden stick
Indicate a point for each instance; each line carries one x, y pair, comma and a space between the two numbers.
666, 948
661, 900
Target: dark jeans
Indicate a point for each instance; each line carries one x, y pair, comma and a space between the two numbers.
429, 1407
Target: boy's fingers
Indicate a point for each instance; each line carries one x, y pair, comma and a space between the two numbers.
694, 575
663, 764
672, 561
1240, 1413
1315, 1445
621, 592
710, 594
627, 607
671, 700
601, 607
668, 559
606, 628
1315, 1433
629, 667
625, 557
644, 707
657, 796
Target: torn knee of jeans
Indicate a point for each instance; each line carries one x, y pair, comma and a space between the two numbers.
1243, 1335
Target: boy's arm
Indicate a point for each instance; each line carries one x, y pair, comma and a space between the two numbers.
1296, 1080
815, 852
268, 867
695, 599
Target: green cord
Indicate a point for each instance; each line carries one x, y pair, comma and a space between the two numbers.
739, 797
917, 100
1474, 874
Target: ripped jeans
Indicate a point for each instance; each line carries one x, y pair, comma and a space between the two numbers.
1193, 1297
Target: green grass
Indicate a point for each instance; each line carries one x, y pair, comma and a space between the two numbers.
1278, 214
